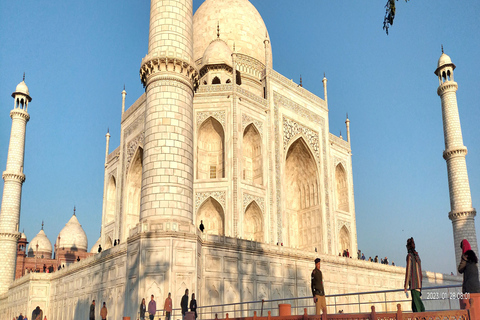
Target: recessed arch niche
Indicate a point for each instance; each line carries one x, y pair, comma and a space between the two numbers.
302, 218
342, 188
344, 239
253, 223
213, 217
211, 150
111, 199
252, 155
133, 191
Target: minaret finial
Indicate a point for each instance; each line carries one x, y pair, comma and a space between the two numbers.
42, 224
74, 209
347, 115
124, 86
218, 29
301, 85
442, 48
24, 76
324, 74
108, 129
234, 46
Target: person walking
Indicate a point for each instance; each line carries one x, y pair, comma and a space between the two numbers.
193, 305
413, 276
184, 304
143, 309
103, 312
152, 308
318, 291
92, 310
167, 307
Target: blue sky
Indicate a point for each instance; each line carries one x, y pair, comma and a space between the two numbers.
77, 56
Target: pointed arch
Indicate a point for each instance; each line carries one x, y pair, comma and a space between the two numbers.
341, 188
211, 150
344, 239
108, 243
212, 215
302, 221
253, 223
252, 155
133, 191
216, 80
111, 200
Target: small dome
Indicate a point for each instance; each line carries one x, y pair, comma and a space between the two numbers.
95, 246
44, 245
444, 59
22, 88
239, 23
217, 52
24, 236
72, 236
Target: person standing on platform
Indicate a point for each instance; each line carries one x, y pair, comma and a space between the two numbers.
92, 310
103, 312
167, 308
193, 305
184, 304
318, 291
202, 227
468, 266
143, 309
152, 308
413, 276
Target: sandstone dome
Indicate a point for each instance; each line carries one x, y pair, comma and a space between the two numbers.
44, 245
217, 52
72, 236
239, 23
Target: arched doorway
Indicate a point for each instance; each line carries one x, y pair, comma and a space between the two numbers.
210, 150
302, 218
133, 192
253, 223
213, 217
252, 155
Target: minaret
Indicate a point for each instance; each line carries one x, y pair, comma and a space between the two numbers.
462, 213
324, 80
12, 190
124, 93
347, 124
168, 74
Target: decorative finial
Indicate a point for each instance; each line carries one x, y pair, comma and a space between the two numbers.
124, 87
347, 115
108, 129
42, 224
324, 74
234, 46
301, 81
24, 76
442, 48
74, 209
218, 30
341, 134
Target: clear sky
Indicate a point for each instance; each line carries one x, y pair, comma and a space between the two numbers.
77, 56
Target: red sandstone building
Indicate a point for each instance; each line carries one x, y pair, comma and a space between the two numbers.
71, 246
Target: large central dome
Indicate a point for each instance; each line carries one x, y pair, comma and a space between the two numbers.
239, 23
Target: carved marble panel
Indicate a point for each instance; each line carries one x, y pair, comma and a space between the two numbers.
156, 256
200, 197
220, 116
292, 129
246, 120
231, 265
132, 147
262, 268
213, 263
248, 198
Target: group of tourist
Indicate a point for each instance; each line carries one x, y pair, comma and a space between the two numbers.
103, 311
361, 256
413, 276
37, 314
168, 306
